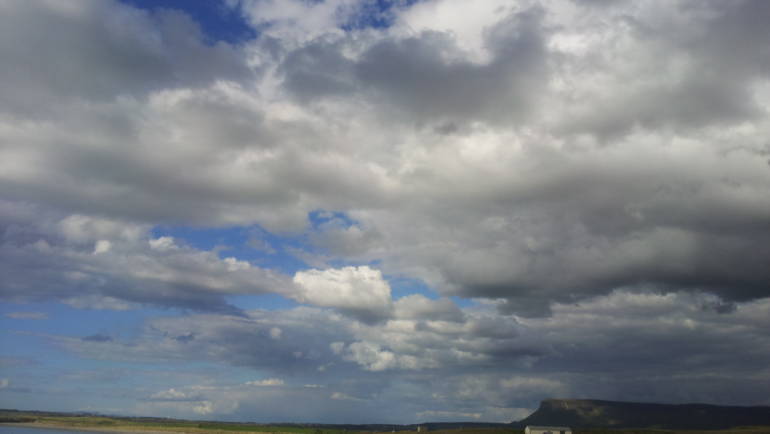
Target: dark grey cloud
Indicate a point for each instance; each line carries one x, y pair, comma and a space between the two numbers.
96, 51
426, 78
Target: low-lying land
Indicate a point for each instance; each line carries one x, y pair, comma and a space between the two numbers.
139, 424
112, 424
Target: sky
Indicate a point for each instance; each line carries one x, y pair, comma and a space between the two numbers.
359, 211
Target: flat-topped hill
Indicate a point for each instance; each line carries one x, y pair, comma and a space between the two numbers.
613, 414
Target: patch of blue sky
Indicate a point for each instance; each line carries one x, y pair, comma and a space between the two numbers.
463, 302
258, 246
67, 320
218, 21
251, 244
33, 339
262, 302
40, 355
20, 345
378, 14
321, 217
222, 22
402, 286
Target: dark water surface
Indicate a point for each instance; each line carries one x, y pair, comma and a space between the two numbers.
30, 430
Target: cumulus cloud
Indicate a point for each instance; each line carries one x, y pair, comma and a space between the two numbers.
592, 181
266, 382
102, 49
373, 358
524, 126
295, 21
417, 306
173, 395
359, 291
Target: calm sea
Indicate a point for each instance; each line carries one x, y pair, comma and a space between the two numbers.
26, 430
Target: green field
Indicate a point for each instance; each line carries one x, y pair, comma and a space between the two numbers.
151, 424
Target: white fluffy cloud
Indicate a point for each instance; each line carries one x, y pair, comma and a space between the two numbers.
360, 291
267, 382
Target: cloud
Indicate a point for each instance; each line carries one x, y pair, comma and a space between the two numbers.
27, 315
266, 382
580, 194
173, 395
296, 21
447, 415
244, 341
418, 306
359, 291
373, 358
424, 77
97, 338
519, 125
141, 270
644, 346
103, 49
344, 397
486, 355
276, 333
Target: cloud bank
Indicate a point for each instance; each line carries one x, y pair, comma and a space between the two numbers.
496, 202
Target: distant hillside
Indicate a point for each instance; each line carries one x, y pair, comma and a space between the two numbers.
584, 413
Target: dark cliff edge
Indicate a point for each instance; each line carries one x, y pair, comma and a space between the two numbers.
587, 413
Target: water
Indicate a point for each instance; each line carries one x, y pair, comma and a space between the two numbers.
30, 430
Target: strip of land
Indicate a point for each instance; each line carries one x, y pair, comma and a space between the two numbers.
129, 425
111, 429
143, 425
